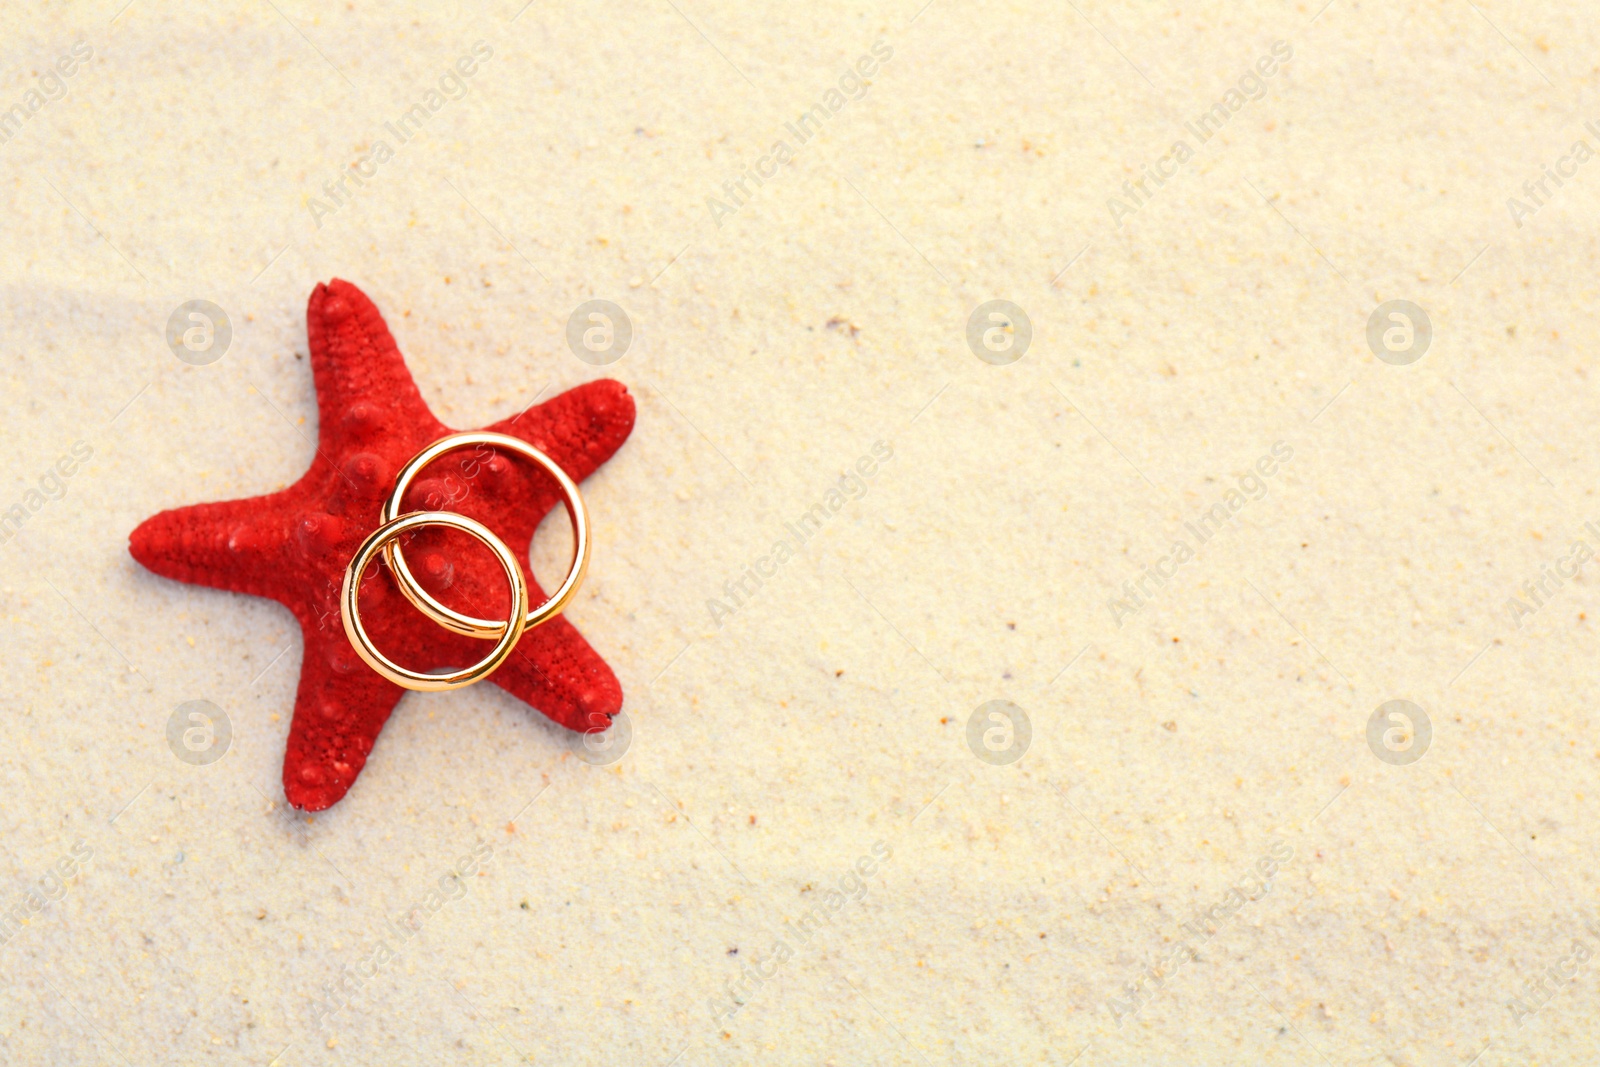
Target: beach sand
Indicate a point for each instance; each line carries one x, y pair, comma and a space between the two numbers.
1198, 846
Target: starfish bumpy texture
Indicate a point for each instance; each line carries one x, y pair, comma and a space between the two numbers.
293, 545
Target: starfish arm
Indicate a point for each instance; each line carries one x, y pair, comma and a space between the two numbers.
238, 545
338, 711
580, 429
556, 670
362, 382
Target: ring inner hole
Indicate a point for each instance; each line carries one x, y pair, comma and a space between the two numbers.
551, 550
458, 570
461, 482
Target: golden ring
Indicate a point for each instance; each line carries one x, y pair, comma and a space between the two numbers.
510, 631
449, 618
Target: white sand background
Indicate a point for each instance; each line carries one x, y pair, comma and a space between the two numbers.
1168, 753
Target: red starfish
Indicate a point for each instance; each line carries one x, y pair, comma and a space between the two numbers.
293, 545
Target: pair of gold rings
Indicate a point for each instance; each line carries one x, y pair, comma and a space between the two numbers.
520, 618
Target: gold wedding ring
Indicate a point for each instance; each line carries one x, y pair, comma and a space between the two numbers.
449, 618
510, 631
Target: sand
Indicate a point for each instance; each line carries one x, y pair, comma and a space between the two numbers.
1195, 852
